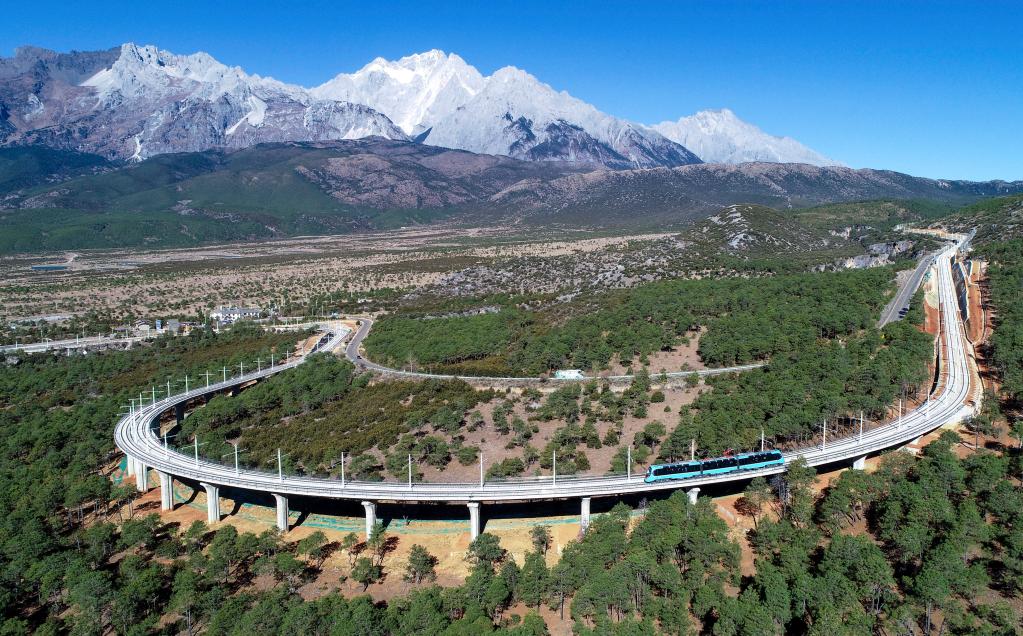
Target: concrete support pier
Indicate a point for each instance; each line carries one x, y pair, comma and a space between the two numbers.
166, 491
212, 502
371, 516
141, 477
282, 512
474, 520
860, 463
693, 493
179, 412
130, 467
584, 515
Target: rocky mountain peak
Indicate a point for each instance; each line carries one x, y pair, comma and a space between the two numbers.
719, 136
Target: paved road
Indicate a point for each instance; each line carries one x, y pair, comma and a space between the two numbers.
135, 435
352, 353
905, 292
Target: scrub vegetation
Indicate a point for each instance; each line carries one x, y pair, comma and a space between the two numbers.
746, 319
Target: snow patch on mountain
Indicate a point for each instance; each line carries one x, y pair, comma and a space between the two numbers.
719, 136
414, 92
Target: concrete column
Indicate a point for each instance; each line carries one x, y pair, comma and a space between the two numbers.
584, 521
860, 463
179, 412
474, 520
371, 516
212, 502
166, 491
282, 512
141, 477
693, 493
130, 468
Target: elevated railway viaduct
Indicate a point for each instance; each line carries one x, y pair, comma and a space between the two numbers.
137, 435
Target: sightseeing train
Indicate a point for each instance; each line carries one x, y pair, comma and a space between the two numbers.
717, 466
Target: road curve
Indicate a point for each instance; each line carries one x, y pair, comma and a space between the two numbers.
352, 353
136, 435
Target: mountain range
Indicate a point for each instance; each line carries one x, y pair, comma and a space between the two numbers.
133, 102
56, 199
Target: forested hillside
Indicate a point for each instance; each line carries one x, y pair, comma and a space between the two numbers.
56, 444
1006, 279
322, 408
746, 320
273, 190
996, 219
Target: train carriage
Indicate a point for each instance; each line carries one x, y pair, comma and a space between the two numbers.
716, 466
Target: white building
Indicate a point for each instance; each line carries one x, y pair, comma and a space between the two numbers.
231, 314
569, 374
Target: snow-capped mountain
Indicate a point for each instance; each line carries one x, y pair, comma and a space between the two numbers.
718, 136
443, 101
415, 92
147, 101
134, 102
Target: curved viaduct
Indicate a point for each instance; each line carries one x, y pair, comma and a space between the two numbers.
136, 434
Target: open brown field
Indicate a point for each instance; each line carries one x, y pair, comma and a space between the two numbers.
293, 271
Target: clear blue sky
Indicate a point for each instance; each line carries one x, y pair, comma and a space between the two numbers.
930, 88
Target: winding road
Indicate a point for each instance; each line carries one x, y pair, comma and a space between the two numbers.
352, 352
136, 435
